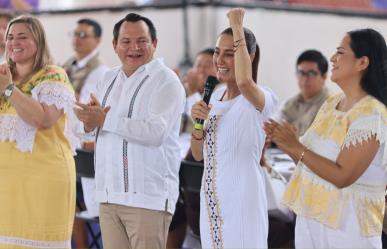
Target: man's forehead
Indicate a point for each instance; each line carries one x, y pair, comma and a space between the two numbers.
308, 64
134, 27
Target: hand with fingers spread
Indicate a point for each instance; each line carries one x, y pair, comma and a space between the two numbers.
200, 110
283, 134
91, 114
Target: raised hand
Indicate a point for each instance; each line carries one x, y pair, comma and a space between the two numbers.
235, 17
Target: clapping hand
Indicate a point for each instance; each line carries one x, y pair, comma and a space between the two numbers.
91, 114
283, 134
5, 77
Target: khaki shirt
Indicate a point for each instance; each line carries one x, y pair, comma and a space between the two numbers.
300, 112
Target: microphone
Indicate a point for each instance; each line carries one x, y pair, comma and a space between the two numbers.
208, 89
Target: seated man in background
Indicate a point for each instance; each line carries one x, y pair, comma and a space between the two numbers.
187, 207
85, 69
196, 77
311, 71
300, 110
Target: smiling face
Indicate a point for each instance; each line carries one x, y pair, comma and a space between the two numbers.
224, 58
20, 44
345, 66
134, 45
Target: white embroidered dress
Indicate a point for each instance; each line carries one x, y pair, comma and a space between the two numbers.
233, 205
351, 217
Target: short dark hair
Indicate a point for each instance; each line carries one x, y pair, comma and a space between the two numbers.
208, 51
252, 48
96, 27
370, 43
312, 55
133, 17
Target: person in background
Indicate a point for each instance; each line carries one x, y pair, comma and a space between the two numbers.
196, 77
337, 189
137, 154
311, 71
233, 205
20, 5
187, 206
84, 69
37, 172
5, 17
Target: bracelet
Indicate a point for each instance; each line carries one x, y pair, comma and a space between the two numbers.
303, 154
237, 43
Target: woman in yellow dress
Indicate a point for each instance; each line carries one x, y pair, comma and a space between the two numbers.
338, 187
37, 173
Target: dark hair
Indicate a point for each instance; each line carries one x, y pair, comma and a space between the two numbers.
133, 17
370, 43
252, 48
209, 51
313, 55
96, 27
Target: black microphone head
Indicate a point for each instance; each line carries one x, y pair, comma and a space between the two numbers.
211, 82
209, 88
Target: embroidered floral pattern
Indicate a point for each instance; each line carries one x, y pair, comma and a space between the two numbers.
125, 143
209, 185
50, 86
313, 197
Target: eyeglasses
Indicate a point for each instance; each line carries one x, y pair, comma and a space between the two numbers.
307, 74
80, 35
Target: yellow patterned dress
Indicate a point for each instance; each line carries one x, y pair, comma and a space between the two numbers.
328, 217
37, 173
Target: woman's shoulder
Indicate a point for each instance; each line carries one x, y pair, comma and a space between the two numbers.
52, 73
369, 106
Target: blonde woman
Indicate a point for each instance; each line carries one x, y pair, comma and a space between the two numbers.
37, 176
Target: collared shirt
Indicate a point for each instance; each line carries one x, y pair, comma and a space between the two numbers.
300, 112
137, 151
92, 78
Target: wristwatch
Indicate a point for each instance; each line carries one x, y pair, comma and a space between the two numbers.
8, 90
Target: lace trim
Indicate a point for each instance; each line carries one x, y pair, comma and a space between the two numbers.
13, 128
34, 243
364, 129
61, 97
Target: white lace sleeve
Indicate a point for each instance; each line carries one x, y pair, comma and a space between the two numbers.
364, 128
62, 98
13, 128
